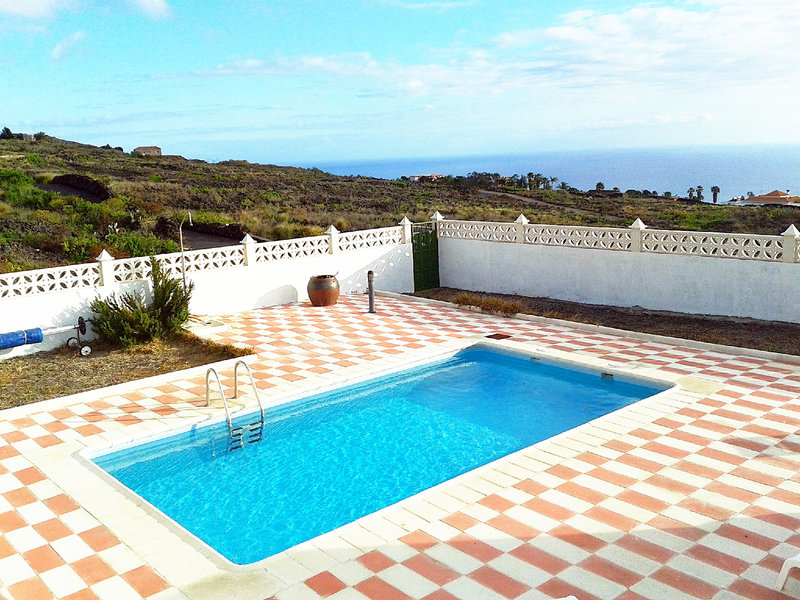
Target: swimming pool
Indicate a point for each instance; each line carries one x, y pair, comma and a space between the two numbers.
331, 458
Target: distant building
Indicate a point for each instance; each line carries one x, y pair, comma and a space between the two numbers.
417, 178
147, 151
775, 197
28, 137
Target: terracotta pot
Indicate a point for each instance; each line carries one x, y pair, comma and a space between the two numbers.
323, 290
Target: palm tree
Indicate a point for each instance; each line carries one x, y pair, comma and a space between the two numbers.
714, 193
600, 186
699, 193
690, 191
563, 185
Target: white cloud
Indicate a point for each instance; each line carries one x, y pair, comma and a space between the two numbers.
34, 8
428, 4
69, 46
156, 9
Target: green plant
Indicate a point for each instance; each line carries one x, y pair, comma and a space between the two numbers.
129, 320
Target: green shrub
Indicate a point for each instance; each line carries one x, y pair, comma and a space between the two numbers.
133, 243
129, 320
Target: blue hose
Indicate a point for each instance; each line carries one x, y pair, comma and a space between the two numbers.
20, 338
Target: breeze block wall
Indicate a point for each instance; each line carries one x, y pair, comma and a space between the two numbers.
227, 280
691, 272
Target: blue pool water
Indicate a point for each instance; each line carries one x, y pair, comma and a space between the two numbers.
332, 458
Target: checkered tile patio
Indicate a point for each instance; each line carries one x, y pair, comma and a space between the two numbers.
692, 494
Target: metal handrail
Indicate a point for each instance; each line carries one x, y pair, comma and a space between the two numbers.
222, 393
252, 381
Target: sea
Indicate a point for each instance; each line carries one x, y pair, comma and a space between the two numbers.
736, 170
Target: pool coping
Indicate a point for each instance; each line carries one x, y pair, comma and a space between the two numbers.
86, 455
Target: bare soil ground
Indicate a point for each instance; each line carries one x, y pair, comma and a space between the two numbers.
61, 372
771, 336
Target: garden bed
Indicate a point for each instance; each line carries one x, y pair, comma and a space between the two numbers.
61, 372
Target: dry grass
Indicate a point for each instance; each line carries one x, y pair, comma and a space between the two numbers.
42, 376
491, 304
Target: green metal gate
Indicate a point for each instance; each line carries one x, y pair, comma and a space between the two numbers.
426, 256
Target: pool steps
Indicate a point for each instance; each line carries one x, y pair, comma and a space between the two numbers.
250, 433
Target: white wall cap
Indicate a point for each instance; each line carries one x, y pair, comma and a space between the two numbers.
331, 230
405, 221
522, 219
247, 239
103, 256
637, 224
437, 216
792, 230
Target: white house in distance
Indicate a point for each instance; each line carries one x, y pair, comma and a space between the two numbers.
775, 197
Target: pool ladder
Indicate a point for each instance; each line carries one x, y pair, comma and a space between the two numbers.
253, 432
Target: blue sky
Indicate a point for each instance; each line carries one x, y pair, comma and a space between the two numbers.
307, 80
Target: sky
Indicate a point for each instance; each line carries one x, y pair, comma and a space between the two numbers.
295, 81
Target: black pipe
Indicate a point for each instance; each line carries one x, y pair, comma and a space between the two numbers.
371, 290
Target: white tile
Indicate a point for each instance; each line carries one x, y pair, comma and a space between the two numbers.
79, 521
8, 483
594, 584
595, 528
559, 548
351, 572
347, 594
662, 538
115, 588
465, 588
655, 590
24, 539
311, 557
627, 509
494, 537
520, 570
298, 591
604, 487
744, 484
286, 569
63, 581
702, 571
72, 548
691, 518
532, 518
453, 558
441, 531
628, 560
14, 569
572, 503
35, 512
479, 512
407, 581
736, 549
121, 558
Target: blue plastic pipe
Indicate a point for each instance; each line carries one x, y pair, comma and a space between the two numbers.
20, 338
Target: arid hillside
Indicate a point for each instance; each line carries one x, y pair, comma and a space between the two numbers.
63, 202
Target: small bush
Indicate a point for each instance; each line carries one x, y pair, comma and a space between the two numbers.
129, 321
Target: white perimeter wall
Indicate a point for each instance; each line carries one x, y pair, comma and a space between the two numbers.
689, 284
219, 291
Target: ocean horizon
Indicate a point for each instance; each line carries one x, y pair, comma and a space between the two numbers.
736, 170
